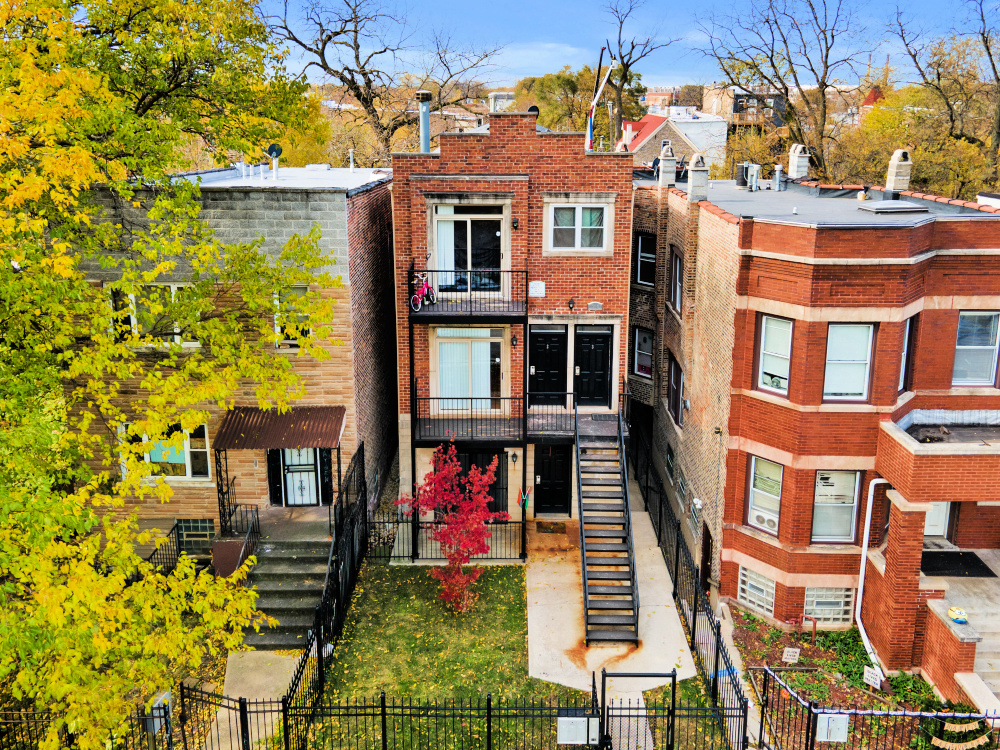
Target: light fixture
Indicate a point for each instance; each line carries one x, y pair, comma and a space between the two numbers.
513, 222
513, 457
572, 304
513, 340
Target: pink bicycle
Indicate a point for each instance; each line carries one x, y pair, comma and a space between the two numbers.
424, 293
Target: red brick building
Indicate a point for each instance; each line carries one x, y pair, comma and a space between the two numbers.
806, 343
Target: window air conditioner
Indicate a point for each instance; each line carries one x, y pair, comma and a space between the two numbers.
764, 520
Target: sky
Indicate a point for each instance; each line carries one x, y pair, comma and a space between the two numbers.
541, 36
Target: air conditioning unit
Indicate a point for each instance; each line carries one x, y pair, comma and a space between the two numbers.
764, 520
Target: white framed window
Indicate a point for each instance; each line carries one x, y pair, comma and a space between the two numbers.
189, 461
645, 261
835, 506
676, 281
976, 349
145, 313
643, 353
765, 494
756, 591
848, 361
289, 327
470, 368
775, 354
577, 227
832, 606
905, 358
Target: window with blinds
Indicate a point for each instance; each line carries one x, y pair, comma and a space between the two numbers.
835, 504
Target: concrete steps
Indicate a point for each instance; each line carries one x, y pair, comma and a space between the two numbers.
288, 579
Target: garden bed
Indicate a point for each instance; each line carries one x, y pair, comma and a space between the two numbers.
831, 672
400, 638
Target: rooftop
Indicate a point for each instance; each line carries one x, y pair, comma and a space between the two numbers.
833, 206
312, 177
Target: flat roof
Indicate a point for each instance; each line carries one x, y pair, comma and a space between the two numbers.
802, 205
313, 177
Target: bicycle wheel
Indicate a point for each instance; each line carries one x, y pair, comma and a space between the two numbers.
415, 302
431, 296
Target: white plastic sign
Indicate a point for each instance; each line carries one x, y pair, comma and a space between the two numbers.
790, 655
832, 727
873, 677
577, 730
536, 288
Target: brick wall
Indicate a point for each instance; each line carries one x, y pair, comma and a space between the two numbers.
944, 655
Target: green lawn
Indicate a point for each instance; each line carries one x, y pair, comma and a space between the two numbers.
399, 637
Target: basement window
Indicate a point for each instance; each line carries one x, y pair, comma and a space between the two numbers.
756, 591
830, 606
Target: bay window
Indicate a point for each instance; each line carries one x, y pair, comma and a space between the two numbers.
765, 494
848, 361
469, 367
976, 349
904, 361
835, 505
775, 354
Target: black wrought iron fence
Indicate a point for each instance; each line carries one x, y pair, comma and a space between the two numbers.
250, 528
789, 722
164, 558
481, 291
487, 418
392, 535
143, 729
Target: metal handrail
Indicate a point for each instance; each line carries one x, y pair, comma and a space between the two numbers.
579, 501
628, 521
250, 540
477, 290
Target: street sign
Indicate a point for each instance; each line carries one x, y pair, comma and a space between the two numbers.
873, 677
791, 655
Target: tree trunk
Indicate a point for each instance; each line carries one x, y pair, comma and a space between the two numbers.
619, 101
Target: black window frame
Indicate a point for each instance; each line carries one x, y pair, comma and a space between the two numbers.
675, 294
635, 351
675, 390
642, 238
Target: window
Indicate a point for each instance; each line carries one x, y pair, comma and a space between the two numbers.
775, 354
469, 247
645, 260
831, 606
756, 591
190, 460
835, 505
469, 367
682, 487
675, 391
765, 494
848, 361
288, 324
145, 314
577, 227
670, 462
904, 360
643, 352
976, 349
676, 280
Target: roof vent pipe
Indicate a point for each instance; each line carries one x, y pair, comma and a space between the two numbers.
667, 166
424, 104
777, 177
350, 155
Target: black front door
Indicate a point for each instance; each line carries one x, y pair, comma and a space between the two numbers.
547, 365
552, 478
592, 362
498, 490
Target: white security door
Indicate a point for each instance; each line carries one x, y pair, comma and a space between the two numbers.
301, 476
936, 523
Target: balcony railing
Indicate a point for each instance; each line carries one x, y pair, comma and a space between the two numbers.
551, 413
481, 292
469, 419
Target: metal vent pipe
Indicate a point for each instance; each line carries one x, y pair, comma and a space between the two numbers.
424, 104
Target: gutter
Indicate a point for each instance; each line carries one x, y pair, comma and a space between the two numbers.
861, 576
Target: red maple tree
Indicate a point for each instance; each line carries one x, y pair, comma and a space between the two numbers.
460, 507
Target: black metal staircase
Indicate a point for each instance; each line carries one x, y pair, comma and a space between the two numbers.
610, 593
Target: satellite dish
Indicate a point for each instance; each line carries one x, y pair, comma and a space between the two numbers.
532, 110
274, 150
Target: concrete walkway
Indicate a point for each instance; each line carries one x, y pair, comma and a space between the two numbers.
556, 648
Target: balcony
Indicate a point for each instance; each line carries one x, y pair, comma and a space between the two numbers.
485, 294
938, 455
502, 420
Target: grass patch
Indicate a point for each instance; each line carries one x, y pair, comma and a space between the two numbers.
399, 637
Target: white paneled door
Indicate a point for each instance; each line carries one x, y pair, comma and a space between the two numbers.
936, 523
301, 476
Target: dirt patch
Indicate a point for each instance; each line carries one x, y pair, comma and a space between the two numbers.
578, 654
551, 527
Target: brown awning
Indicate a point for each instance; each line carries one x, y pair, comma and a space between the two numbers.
247, 427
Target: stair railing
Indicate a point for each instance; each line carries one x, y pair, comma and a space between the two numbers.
579, 501
628, 520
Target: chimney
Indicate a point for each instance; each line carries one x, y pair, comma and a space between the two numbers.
627, 134
798, 162
668, 166
697, 179
898, 176
424, 104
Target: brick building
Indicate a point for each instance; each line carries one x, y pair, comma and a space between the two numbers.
812, 351
525, 239
349, 398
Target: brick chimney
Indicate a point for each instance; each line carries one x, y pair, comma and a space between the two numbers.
697, 179
668, 166
798, 162
898, 176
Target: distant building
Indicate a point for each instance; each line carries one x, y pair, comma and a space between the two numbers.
658, 98
500, 101
688, 130
762, 106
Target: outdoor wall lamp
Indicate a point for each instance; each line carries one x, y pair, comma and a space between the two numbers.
513, 457
513, 341
572, 304
513, 222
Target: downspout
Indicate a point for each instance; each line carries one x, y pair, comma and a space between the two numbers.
864, 565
